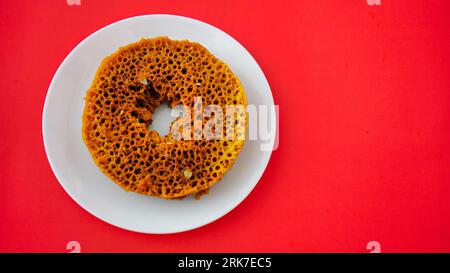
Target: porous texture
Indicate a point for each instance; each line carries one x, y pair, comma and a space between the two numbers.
128, 86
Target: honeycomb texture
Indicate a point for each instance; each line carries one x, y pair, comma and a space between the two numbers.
128, 86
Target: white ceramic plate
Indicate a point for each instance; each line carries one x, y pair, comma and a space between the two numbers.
88, 186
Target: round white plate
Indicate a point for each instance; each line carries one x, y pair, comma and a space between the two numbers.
88, 186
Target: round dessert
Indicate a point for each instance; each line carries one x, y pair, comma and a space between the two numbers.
130, 84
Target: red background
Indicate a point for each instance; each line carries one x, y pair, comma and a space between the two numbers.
364, 95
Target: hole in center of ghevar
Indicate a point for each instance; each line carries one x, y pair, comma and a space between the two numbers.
152, 107
162, 119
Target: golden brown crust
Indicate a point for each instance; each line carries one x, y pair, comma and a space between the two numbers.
128, 86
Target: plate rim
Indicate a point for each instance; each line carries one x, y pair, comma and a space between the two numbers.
52, 163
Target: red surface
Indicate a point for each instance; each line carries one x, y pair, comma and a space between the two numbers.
364, 95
